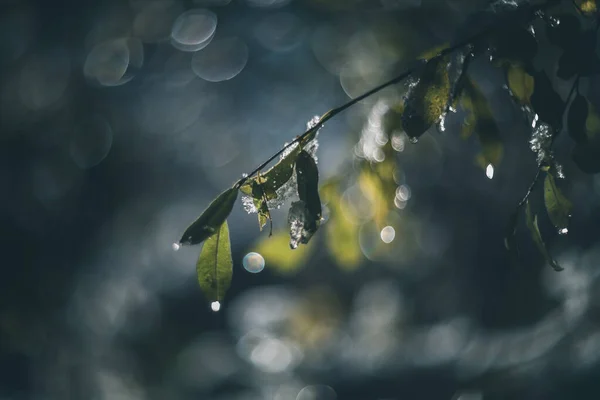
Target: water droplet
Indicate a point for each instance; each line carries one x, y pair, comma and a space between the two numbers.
244, 175
176, 246
253, 262
215, 306
413, 140
563, 231
388, 234
489, 171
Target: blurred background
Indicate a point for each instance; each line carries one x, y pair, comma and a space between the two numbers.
121, 119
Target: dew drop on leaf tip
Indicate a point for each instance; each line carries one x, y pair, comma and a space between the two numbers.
563, 231
215, 306
176, 246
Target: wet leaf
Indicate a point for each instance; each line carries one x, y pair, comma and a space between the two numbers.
481, 120
215, 265
341, 230
558, 206
279, 256
537, 238
304, 216
273, 178
576, 119
521, 84
211, 219
427, 100
546, 102
307, 178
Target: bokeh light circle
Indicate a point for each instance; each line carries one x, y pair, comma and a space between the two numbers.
317, 392
107, 62
253, 262
193, 29
221, 60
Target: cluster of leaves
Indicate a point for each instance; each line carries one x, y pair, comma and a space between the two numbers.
439, 85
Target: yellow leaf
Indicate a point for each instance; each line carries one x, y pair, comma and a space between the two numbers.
520, 83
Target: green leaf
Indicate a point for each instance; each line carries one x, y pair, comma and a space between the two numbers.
576, 119
307, 178
546, 102
211, 219
304, 216
273, 179
482, 121
215, 265
521, 84
427, 99
558, 206
537, 238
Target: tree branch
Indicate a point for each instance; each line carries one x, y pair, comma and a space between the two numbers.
420, 64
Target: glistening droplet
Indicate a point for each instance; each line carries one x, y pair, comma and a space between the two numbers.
215, 306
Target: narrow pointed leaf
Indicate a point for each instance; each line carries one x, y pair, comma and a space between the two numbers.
304, 216
215, 265
576, 119
307, 177
211, 219
427, 99
558, 206
537, 238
